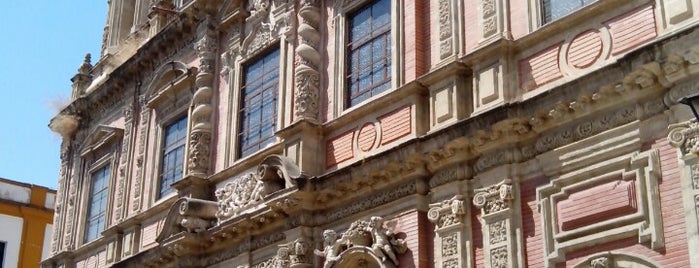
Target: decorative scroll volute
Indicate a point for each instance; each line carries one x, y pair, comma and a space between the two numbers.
494, 198
685, 136
447, 213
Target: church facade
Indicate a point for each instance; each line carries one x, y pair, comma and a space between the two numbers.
383, 133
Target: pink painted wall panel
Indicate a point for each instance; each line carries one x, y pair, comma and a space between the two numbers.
339, 149
675, 253
395, 125
366, 137
585, 49
531, 223
599, 203
539, 68
632, 29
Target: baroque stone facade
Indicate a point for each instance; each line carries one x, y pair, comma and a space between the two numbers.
485, 137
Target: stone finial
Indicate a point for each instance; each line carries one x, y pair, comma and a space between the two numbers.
82, 79
86, 66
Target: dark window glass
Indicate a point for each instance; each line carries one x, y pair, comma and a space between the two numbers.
173, 155
97, 204
258, 106
2, 254
554, 9
369, 52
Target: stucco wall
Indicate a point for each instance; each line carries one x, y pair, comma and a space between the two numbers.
11, 234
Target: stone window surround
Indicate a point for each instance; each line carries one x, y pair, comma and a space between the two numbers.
94, 173
109, 159
340, 25
176, 93
258, 57
235, 94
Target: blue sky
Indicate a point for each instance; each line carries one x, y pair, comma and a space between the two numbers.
43, 44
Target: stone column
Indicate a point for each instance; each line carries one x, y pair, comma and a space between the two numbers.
685, 137
307, 63
452, 243
198, 160
500, 243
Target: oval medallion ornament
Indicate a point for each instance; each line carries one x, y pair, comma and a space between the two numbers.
585, 49
366, 137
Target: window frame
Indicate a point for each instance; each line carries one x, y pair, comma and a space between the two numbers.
343, 10
272, 139
102, 164
163, 125
542, 13
378, 35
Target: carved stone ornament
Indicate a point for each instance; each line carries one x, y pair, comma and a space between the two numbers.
448, 212
494, 198
307, 62
190, 215
200, 133
685, 136
273, 174
363, 237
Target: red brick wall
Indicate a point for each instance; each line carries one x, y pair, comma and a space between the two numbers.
532, 230
416, 38
415, 228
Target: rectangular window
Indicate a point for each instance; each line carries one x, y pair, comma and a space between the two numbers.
97, 203
554, 9
369, 51
2, 254
258, 105
173, 155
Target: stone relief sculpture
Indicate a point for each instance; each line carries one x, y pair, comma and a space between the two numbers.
369, 236
274, 173
332, 248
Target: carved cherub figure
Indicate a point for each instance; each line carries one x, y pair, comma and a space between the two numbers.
382, 240
332, 248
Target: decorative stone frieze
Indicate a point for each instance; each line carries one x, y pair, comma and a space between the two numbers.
445, 29
453, 233
498, 225
308, 60
136, 188
274, 173
124, 168
364, 241
198, 160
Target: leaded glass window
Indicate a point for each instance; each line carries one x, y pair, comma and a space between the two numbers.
369, 51
554, 9
173, 155
258, 106
97, 203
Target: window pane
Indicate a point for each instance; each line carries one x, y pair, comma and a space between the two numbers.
258, 113
97, 202
369, 51
554, 9
172, 155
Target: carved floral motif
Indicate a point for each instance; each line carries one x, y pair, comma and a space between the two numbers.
498, 258
445, 29
449, 245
